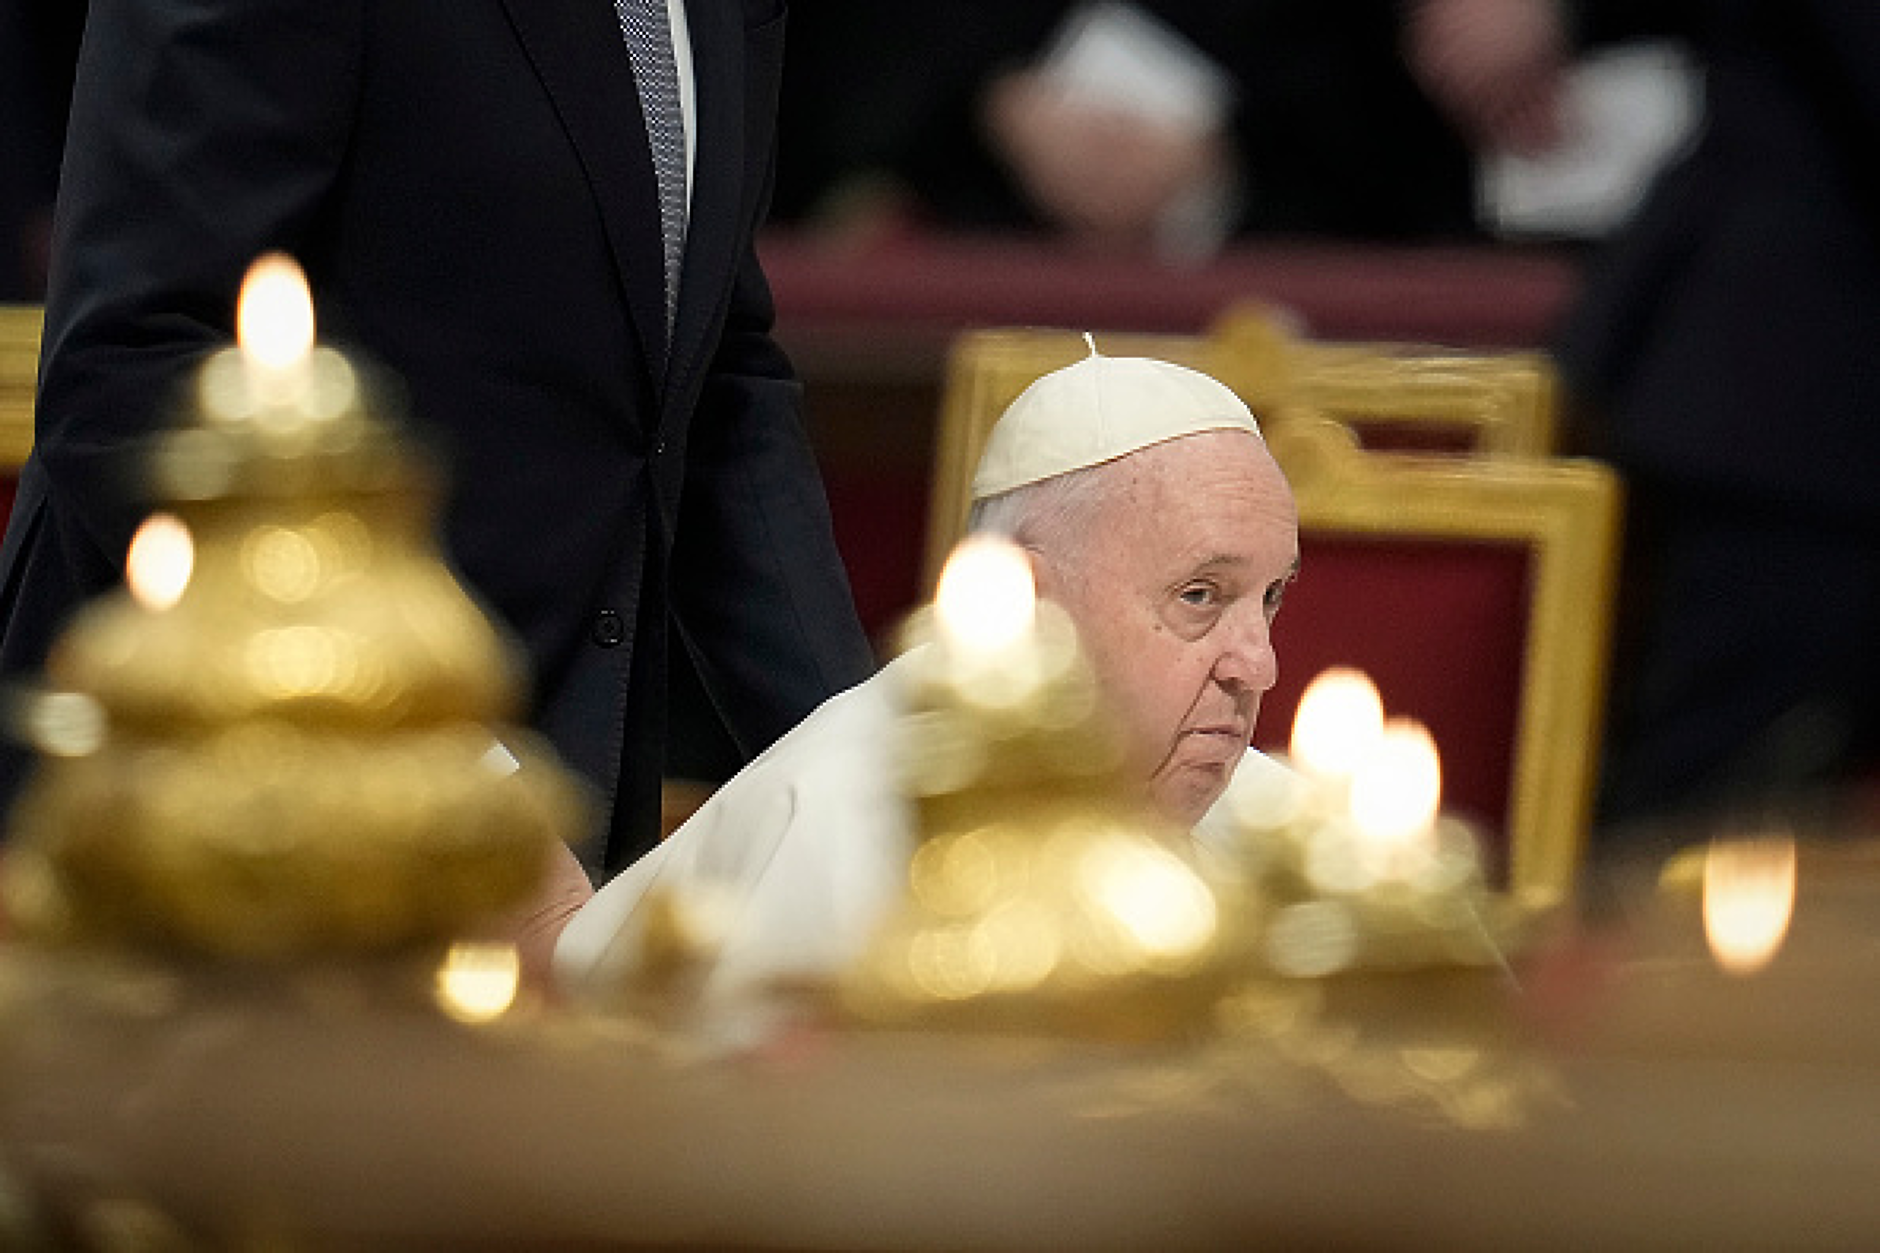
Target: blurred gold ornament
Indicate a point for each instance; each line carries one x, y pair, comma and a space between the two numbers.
1357, 865
285, 735
1044, 894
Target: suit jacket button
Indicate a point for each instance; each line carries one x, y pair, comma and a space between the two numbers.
608, 628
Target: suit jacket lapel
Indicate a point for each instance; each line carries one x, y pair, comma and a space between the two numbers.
581, 57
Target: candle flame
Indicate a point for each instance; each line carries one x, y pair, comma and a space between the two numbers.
1398, 786
1340, 717
274, 318
161, 559
986, 598
478, 982
1749, 899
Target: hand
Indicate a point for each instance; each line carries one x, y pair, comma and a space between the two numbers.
1496, 67
1102, 175
535, 926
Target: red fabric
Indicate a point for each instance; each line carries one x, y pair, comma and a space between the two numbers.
1413, 437
1439, 627
1456, 296
879, 517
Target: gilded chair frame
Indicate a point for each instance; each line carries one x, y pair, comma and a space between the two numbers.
1497, 403
1564, 512
20, 330
1501, 404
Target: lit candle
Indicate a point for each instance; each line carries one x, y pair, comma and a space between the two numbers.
161, 559
993, 649
1749, 898
1363, 869
478, 982
277, 383
986, 602
274, 328
1340, 717
1370, 791
1396, 789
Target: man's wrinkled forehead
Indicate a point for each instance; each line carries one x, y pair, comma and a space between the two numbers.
1213, 496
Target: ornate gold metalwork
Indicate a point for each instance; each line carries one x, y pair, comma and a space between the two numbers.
1500, 403
287, 735
1334, 907
1043, 895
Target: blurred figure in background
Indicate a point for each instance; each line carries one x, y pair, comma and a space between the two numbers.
1724, 348
1165, 125
38, 49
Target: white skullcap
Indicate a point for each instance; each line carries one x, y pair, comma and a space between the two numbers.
1098, 410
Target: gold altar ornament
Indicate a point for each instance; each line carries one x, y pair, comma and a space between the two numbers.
1043, 892
286, 735
1351, 853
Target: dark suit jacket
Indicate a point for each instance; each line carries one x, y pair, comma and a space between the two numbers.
1731, 334
38, 44
470, 190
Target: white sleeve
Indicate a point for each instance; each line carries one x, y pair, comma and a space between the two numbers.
792, 862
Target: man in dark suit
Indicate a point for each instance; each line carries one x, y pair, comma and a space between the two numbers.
472, 192
1730, 338
1727, 340
38, 43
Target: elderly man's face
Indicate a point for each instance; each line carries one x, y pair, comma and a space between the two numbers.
1174, 591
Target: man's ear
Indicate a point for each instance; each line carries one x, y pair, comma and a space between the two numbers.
1044, 572
1055, 580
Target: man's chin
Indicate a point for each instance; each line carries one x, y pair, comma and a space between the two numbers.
1187, 794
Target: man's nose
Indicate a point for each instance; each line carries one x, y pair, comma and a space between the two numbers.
1248, 659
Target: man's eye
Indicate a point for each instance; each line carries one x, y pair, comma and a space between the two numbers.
1275, 593
1200, 595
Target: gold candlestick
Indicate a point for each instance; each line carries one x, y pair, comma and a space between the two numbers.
286, 735
1043, 895
1359, 868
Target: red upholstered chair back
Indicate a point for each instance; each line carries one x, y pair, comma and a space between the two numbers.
1476, 590
1449, 653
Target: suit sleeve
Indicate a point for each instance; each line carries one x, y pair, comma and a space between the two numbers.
1847, 41
759, 588
203, 133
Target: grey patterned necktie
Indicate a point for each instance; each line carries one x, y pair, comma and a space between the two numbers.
649, 46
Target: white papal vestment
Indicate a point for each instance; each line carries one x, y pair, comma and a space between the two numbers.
794, 862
